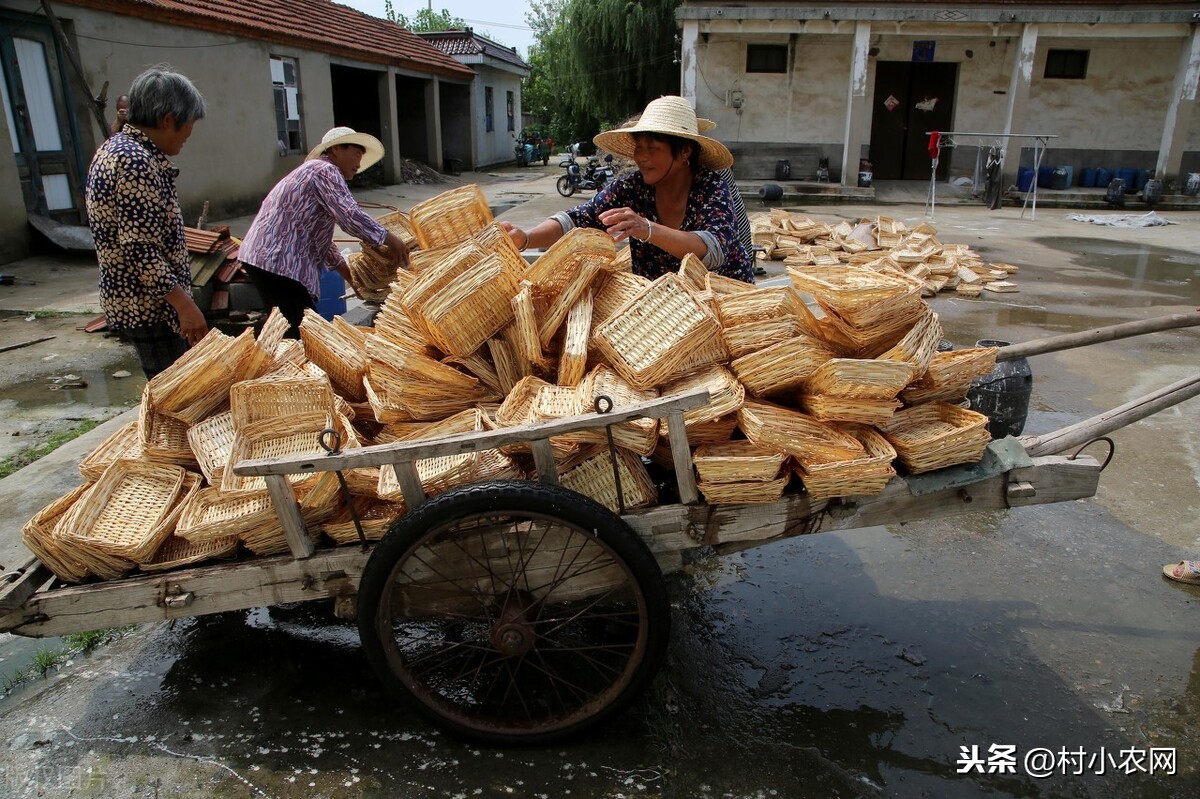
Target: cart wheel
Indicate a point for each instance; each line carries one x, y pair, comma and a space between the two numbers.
514, 612
564, 186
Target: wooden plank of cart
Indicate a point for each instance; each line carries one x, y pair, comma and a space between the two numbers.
520, 611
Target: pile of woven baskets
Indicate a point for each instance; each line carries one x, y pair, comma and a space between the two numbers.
882, 243
473, 338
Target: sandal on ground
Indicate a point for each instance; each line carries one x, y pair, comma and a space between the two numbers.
1190, 569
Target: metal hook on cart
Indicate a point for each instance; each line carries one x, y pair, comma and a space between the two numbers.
1112, 450
331, 441
604, 404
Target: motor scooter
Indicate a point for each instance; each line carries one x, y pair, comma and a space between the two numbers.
594, 178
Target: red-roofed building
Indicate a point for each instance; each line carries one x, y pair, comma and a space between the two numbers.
276, 74
1114, 82
495, 103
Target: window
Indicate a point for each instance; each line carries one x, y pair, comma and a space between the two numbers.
512, 120
286, 84
1068, 64
766, 57
489, 111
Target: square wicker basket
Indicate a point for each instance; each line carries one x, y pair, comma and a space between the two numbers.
291, 436
737, 462
744, 493
935, 435
450, 217
471, 308
782, 429
865, 475
38, 536
860, 296
856, 378
594, 478
780, 367
124, 443
652, 334
336, 352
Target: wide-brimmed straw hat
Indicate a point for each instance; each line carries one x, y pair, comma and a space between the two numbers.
344, 135
674, 116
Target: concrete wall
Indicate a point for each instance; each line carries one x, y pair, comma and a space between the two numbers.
496, 147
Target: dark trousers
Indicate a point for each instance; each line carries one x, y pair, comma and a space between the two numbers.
289, 296
157, 346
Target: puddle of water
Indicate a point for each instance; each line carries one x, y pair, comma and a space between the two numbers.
1150, 267
102, 390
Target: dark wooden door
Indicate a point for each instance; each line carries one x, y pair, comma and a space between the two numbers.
911, 99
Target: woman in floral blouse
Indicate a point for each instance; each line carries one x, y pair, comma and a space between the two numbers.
675, 204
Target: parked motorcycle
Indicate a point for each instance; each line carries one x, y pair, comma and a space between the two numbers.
594, 178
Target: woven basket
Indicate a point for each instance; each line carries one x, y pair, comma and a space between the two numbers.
572, 361
38, 536
397, 222
693, 274
414, 367
918, 345
725, 394
743, 493
450, 217
737, 462
860, 296
127, 513
863, 476
477, 366
212, 516
712, 352
372, 281
828, 408
572, 293
617, 289
163, 439
471, 308
718, 431
525, 326
124, 443
336, 353
377, 517
935, 435
781, 429
177, 552
289, 437
756, 306
652, 334
200, 385
211, 442
272, 397
637, 435
594, 478
956, 367
494, 240
557, 267
855, 378
920, 392
721, 286
751, 337
443, 473
434, 280
780, 367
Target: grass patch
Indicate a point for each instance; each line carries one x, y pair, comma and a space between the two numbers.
25, 457
46, 660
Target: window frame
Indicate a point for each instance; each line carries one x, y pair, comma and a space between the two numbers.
1064, 63
759, 65
512, 111
489, 109
290, 135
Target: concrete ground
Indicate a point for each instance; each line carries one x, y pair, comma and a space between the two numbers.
862, 663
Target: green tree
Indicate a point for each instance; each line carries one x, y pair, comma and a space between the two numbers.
426, 20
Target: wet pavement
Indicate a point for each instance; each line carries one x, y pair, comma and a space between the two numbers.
836, 664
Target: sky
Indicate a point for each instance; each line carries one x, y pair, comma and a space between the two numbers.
500, 20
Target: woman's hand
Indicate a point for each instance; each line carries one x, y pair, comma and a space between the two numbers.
520, 238
397, 250
625, 223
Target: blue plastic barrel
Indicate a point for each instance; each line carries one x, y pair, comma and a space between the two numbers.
1024, 178
1142, 176
1088, 181
1129, 175
1044, 176
332, 288
1103, 176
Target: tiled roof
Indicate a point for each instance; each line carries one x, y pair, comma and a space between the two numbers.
468, 43
317, 25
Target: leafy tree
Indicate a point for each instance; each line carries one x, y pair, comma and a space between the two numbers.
426, 20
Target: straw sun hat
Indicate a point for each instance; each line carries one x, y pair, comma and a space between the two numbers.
674, 116
343, 135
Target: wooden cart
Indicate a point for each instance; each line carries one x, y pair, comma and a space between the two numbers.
520, 611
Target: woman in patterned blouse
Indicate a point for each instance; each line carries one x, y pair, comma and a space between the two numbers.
675, 204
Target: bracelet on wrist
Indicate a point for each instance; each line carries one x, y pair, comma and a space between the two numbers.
525, 241
649, 230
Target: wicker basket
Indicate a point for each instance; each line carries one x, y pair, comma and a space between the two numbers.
445, 472
781, 367
594, 478
828, 408
177, 552
557, 267
572, 362
718, 431
737, 462
937, 434
956, 367
918, 345
127, 513
272, 397
336, 353
651, 335
637, 435
757, 306
194, 387
293, 436
711, 353
38, 536
617, 289
372, 280
743, 493
572, 293
856, 378
721, 286
525, 325
860, 296
124, 443
397, 222
163, 439
781, 429
212, 441
693, 274
863, 476
213, 516
429, 283
725, 394
450, 217
495, 240
377, 517
744, 339
471, 308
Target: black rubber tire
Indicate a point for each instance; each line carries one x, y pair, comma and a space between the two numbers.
564, 186
414, 540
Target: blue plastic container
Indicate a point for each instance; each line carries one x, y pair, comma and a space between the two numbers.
332, 288
1088, 179
1103, 176
1024, 178
1142, 176
1129, 175
1045, 176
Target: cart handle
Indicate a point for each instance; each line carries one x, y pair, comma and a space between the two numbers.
1097, 335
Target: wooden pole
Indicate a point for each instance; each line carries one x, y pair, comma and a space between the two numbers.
1099, 334
73, 57
1083, 432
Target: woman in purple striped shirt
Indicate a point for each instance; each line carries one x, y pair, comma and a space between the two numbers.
291, 238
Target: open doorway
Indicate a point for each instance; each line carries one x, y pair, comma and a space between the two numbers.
911, 99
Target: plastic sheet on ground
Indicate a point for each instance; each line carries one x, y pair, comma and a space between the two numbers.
1151, 219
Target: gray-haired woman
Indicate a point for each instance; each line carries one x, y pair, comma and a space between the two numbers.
133, 211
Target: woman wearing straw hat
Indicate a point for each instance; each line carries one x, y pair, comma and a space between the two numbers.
675, 204
291, 238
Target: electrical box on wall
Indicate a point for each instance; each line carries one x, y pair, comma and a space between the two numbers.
734, 98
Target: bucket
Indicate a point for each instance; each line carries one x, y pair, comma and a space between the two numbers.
1003, 396
332, 287
770, 191
1024, 178
864, 179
